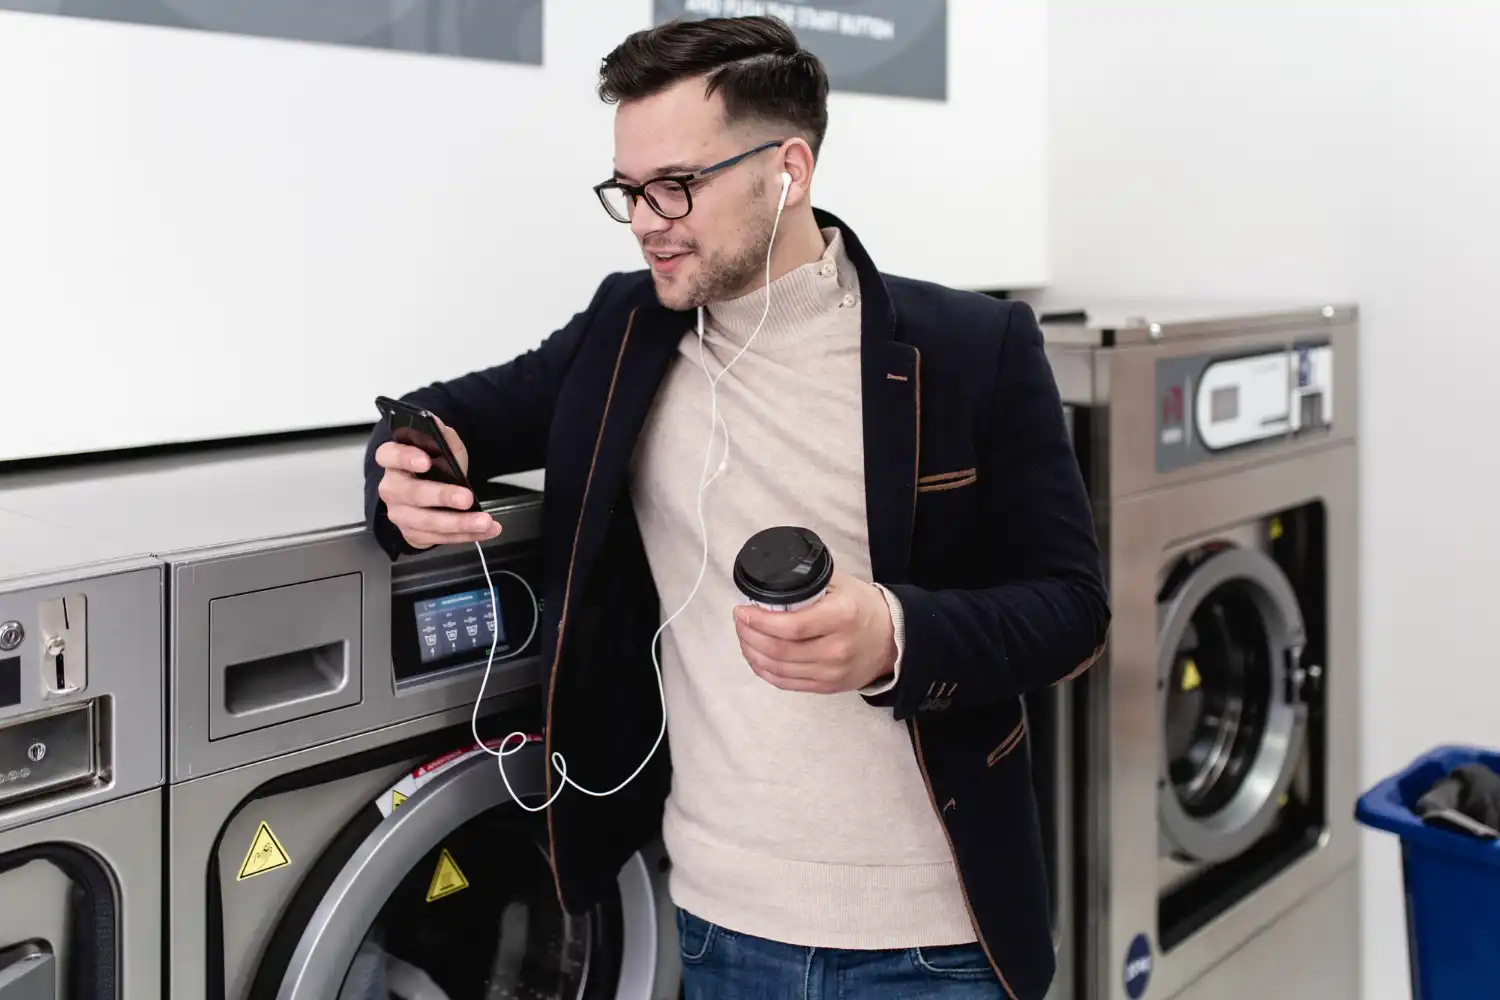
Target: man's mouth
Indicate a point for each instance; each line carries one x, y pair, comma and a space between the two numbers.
665, 261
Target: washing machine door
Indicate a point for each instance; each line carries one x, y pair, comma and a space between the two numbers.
450, 897
61, 940
1231, 635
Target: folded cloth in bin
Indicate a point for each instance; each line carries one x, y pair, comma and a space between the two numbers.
1466, 800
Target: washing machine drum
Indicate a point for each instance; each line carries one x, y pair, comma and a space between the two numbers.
450, 897
1231, 633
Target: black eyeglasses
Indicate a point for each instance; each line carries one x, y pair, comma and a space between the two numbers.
670, 197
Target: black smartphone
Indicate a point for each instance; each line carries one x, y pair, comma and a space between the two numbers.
412, 425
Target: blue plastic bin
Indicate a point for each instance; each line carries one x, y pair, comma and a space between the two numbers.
1452, 882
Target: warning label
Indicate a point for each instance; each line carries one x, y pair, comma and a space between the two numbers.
265, 855
446, 878
411, 783
1191, 679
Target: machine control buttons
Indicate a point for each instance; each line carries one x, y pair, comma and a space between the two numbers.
12, 634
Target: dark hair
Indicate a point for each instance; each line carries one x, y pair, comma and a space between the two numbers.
754, 62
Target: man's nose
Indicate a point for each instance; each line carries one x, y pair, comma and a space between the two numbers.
645, 222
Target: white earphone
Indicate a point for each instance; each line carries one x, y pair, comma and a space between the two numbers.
714, 423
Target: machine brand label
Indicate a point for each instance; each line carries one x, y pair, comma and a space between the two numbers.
1138, 967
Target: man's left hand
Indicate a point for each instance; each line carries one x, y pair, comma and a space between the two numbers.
844, 642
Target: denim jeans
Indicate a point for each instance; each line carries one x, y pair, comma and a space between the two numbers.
719, 964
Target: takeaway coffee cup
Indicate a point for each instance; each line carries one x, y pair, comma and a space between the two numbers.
783, 568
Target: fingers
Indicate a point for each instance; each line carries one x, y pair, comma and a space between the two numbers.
440, 526
819, 678
834, 613
832, 648
430, 513
402, 489
403, 457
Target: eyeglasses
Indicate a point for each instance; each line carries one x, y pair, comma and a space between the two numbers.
671, 196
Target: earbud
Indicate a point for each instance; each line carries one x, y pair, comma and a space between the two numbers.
786, 185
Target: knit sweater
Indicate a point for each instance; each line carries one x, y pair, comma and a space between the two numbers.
802, 818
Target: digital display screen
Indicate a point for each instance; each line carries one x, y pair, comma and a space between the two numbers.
1224, 404
456, 624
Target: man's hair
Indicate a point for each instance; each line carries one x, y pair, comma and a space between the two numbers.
754, 62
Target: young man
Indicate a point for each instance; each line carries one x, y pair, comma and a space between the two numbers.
841, 793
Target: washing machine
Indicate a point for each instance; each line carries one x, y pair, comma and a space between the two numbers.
1217, 742
331, 827
81, 767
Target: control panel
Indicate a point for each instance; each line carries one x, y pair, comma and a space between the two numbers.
444, 619
1208, 405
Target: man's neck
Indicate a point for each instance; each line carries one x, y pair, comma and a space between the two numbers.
798, 241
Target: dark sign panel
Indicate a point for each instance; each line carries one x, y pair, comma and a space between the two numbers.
500, 30
897, 48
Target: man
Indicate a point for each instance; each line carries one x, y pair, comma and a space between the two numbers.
841, 794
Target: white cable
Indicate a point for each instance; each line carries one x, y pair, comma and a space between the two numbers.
714, 423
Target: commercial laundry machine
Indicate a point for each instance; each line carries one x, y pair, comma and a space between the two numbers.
1217, 740
332, 830
81, 766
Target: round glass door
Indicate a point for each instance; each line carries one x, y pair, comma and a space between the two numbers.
450, 896
477, 918
1232, 731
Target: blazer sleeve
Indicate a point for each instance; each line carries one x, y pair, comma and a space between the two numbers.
502, 414
1048, 618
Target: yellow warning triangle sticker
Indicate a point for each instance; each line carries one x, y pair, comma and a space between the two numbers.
446, 879
265, 855
397, 799
1191, 679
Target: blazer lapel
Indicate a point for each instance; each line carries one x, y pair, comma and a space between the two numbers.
890, 376
645, 352
891, 373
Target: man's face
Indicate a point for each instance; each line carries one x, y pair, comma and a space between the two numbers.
718, 250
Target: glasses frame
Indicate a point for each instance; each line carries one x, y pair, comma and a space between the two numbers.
637, 192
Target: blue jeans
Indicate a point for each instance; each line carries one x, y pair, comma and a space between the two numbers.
719, 964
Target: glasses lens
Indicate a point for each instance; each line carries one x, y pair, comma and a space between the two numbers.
616, 202
669, 198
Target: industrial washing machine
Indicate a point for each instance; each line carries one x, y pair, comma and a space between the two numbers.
1218, 739
81, 767
332, 830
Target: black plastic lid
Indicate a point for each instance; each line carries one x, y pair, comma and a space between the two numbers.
783, 565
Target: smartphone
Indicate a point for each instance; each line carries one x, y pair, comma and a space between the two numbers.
412, 425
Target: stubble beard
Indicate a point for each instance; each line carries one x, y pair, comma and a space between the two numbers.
721, 278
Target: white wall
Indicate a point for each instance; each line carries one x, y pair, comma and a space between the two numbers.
1284, 148
205, 236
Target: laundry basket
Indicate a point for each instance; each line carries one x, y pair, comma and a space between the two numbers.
1452, 881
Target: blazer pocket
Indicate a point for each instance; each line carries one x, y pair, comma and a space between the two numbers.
940, 481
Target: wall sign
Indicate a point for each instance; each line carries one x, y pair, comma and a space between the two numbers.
898, 48
499, 30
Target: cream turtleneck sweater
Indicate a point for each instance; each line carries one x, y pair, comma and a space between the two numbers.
796, 817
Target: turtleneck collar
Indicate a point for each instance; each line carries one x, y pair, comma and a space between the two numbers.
798, 299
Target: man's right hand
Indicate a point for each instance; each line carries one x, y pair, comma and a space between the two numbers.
429, 513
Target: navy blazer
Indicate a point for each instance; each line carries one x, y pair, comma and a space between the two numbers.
978, 520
